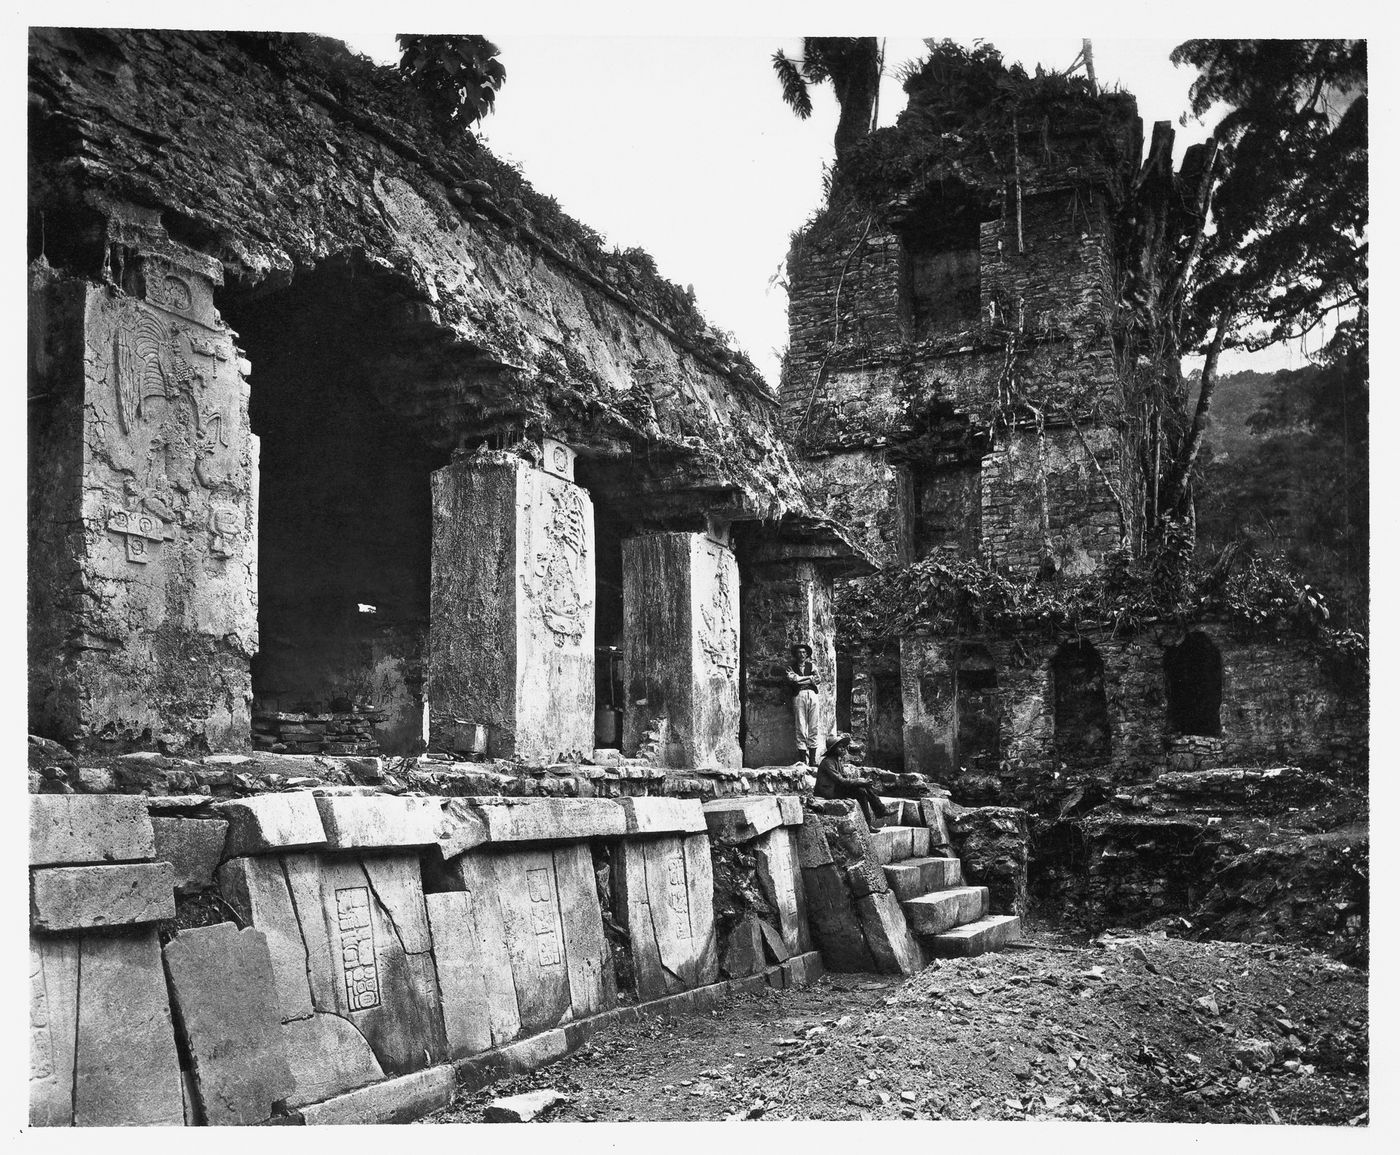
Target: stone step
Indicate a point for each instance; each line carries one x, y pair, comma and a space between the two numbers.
932, 914
896, 843
986, 934
900, 812
918, 876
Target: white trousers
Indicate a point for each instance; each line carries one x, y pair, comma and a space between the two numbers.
804, 709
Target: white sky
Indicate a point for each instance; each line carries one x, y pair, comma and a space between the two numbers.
683, 146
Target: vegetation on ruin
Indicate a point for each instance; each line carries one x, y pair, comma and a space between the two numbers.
947, 594
459, 75
852, 65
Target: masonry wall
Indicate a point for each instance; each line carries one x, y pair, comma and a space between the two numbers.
1279, 706
329, 957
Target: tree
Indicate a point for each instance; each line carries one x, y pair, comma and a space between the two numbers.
1279, 203
851, 64
459, 75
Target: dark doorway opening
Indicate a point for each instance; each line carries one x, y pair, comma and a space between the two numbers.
344, 524
608, 532
845, 686
1195, 686
1080, 704
978, 710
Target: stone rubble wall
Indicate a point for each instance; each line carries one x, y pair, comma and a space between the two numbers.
333, 954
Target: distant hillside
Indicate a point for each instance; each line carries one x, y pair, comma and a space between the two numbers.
1237, 396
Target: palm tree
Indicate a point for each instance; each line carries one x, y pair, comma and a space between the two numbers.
852, 64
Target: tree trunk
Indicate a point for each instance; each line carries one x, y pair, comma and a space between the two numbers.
1172, 500
856, 92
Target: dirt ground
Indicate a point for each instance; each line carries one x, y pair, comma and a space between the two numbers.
1121, 1028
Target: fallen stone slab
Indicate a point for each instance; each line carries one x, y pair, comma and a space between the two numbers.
945, 909
81, 897
400, 1100
743, 949
480, 1006
222, 985
735, 820
887, 935
916, 876
773, 945
379, 821
523, 1108
835, 924
866, 877
663, 815
780, 880
194, 847
73, 829
812, 847
269, 823
934, 814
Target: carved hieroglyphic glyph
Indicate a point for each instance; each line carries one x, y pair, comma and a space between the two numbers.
678, 893
558, 568
544, 917
358, 962
140, 529
719, 636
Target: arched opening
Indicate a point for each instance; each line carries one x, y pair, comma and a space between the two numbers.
1080, 704
1195, 683
344, 522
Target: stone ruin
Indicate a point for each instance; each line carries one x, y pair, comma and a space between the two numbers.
411, 582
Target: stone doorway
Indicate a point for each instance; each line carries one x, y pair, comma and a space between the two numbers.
1195, 686
344, 525
1080, 705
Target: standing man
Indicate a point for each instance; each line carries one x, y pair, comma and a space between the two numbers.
802, 675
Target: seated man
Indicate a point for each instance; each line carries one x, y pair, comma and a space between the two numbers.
832, 783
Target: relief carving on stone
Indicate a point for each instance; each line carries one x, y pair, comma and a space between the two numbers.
543, 917
678, 893
719, 637
359, 963
140, 528
559, 567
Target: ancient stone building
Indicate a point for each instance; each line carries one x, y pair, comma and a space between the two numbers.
962, 388
344, 440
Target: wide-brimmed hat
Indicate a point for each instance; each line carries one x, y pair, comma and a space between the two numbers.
801, 646
835, 741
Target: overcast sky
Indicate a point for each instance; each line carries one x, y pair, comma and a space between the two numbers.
683, 146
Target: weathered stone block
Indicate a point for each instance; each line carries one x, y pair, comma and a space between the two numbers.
523, 1108
221, 981
70, 829
78, 897
474, 973
933, 812
663, 892
400, 1100
790, 808
836, 927
551, 819
887, 935
803, 969
540, 929
327, 1056
986, 934
742, 819
194, 847
268, 823
780, 879
918, 841
102, 1047
743, 949
866, 877
379, 821
945, 909
663, 815
812, 848
916, 876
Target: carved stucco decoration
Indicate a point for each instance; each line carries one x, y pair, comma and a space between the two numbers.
719, 638
559, 568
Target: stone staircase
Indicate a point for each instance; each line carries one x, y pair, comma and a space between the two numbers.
946, 917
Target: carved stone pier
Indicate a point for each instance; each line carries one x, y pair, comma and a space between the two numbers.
680, 659
511, 645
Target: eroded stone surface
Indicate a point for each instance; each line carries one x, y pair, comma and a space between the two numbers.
71, 829
194, 847
327, 1056
742, 819
222, 985
663, 890
780, 878
272, 822
379, 821
78, 897
663, 815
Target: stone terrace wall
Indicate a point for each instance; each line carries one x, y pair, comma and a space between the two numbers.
340, 956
